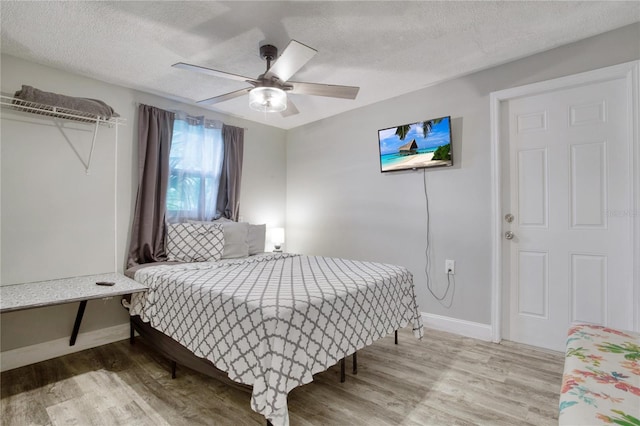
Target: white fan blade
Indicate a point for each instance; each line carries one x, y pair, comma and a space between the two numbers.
215, 73
225, 97
294, 56
291, 108
329, 90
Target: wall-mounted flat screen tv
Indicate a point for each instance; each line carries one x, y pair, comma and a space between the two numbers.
416, 145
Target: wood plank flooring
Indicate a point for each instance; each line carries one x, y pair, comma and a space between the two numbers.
444, 379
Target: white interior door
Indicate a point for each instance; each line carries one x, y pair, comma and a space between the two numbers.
569, 191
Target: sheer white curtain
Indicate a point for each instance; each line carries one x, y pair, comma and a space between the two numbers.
195, 163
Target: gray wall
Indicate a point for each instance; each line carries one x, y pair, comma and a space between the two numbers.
59, 222
339, 204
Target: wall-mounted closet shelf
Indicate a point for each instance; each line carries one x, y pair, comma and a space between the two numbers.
58, 112
63, 113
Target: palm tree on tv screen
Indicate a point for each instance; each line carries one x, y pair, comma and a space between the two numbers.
403, 130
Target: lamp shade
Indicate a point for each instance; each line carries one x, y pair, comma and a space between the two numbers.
277, 236
267, 99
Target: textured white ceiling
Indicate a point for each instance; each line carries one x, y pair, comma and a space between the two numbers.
386, 48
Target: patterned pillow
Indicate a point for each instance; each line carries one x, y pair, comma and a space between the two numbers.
190, 242
235, 237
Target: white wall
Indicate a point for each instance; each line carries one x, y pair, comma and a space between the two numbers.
59, 222
339, 204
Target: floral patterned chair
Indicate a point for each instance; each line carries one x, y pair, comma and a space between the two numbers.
601, 382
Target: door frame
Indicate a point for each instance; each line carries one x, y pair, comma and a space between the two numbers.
628, 71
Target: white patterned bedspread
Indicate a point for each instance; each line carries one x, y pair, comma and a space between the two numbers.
274, 320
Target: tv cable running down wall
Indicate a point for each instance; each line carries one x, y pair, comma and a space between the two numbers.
451, 282
420, 145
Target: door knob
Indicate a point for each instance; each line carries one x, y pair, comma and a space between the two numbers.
508, 217
508, 235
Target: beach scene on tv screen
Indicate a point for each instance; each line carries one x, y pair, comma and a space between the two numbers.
422, 144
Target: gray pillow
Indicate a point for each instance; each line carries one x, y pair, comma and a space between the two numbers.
235, 239
256, 238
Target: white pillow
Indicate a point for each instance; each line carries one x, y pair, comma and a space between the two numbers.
192, 242
235, 237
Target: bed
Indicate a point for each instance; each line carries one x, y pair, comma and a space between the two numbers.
271, 321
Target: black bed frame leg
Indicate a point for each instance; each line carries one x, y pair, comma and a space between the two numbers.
355, 363
173, 369
269, 423
131, 331
342, 370
396, 336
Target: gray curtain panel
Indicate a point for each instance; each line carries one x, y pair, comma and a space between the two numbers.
229, 192
155, 128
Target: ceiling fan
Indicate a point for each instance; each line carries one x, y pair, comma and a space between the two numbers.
269, 90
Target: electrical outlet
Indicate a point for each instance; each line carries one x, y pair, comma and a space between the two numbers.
450, 266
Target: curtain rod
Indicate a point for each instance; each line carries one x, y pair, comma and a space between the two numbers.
180, 111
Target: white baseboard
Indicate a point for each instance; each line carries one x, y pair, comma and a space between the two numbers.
457, 326
52, 349
20, 357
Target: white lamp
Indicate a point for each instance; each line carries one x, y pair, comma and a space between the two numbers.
277, 238
267, 99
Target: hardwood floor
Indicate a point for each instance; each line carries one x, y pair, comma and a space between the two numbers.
444, 379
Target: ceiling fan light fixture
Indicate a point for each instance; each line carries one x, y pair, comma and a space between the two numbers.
267, 99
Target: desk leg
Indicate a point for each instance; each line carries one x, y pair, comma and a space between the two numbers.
76, 325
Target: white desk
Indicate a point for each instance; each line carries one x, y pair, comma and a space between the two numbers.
17, 297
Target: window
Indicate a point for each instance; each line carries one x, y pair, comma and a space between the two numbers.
195, 163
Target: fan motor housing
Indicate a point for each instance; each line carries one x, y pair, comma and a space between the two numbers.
268, 52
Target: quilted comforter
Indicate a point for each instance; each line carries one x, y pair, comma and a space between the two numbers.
274, 320
601, 382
